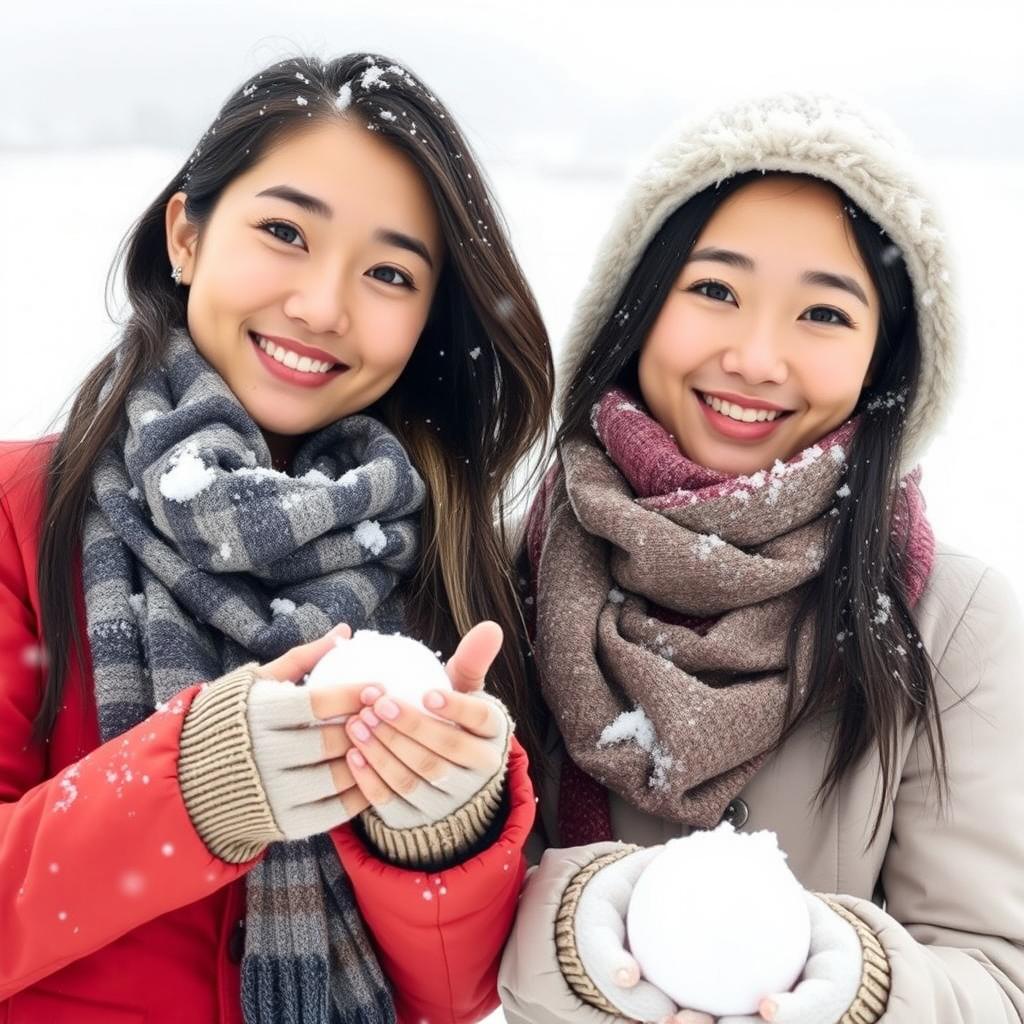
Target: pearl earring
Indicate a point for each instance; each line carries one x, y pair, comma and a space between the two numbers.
176, 275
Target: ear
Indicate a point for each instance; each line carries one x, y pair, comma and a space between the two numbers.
182, 237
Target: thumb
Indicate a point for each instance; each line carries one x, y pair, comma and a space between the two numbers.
468, 666
294, 664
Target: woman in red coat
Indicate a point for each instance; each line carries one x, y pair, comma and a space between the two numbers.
305, 428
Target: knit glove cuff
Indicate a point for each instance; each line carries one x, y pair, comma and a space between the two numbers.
437, 824
219, 781
873, 993
590, 937
569, 961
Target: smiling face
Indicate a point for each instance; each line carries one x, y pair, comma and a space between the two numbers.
311, 281
765, 341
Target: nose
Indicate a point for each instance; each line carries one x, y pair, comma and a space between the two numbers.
320, 301
759, 356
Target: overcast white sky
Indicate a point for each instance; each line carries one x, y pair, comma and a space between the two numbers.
561, 83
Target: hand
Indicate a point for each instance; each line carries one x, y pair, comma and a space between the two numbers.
415, 769
299, 753
600, 939
831, 977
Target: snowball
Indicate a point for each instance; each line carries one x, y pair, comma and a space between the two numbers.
718, 922
403, 667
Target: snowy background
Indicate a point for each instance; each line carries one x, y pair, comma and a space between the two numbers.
100, 104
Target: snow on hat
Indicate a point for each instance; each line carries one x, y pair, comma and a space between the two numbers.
821, 136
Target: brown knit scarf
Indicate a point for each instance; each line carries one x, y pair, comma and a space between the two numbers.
677, 715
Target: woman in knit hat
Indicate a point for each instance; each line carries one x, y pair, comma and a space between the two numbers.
310, 418
740, 612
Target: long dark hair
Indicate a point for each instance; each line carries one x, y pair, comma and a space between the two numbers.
473, 400
867, 670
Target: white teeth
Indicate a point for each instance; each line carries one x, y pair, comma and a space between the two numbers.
291, 359
738, 412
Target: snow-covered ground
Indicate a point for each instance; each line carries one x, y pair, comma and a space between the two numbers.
67, 210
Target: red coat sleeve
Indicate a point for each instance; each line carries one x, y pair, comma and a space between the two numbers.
440, 935
101, 847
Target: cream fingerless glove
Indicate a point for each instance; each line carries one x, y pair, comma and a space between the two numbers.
436, 823
252, 768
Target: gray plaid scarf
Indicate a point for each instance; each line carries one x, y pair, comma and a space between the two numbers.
197, 558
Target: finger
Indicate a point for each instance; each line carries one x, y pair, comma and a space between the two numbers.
693, 1017
334, 742
340, 700
367, 780
342, 775
400, 780
453, 744
627, 974
800, 1004
480, 717
469, 665
299, 661
354, 801
416, 757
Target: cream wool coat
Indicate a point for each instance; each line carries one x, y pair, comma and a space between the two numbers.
952, 885
943, 890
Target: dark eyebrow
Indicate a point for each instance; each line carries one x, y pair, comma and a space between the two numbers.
318, 207
292, 195
821, 277
402, 241
734, 259
847, 284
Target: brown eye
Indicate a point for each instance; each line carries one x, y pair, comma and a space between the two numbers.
827, 315
282, 231
714, 290
392, 276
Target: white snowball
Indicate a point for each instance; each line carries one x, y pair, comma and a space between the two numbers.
404, 667
717, 921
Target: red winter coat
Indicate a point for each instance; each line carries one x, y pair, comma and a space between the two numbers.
112, 910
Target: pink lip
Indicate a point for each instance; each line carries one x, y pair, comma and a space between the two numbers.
296, 377
736, 430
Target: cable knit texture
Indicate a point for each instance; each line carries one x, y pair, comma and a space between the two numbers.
569, 961
873, 994
220, 783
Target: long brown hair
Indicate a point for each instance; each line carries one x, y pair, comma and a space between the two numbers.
473, 401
